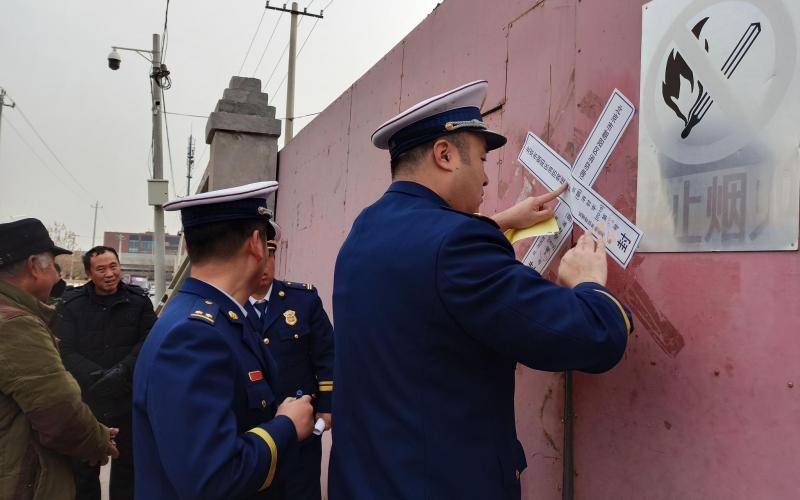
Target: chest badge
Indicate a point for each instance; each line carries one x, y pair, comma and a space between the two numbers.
255, 375
290, 317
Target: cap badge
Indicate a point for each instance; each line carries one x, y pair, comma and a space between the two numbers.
290, 317
262, 211
450, 126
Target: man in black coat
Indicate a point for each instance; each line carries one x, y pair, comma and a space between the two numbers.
102, 326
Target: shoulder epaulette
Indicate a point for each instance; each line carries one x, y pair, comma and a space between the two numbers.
300, 286
204, 310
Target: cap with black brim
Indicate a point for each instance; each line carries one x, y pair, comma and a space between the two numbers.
457, 110
248, 202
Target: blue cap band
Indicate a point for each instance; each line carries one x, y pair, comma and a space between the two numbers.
431, 128
244, 209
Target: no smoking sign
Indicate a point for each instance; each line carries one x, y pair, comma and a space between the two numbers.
718, 160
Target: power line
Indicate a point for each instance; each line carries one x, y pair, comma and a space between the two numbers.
274, 69
291, 73
302, 116
50, 150
301, 46
263, 13
41, 160
185, 114
283, 52
298, 55
165, 34
150, 157
206, 116
274, 29
169, 146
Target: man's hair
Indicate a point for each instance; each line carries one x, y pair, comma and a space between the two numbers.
94, 252
220, 240
14, 269
408, 161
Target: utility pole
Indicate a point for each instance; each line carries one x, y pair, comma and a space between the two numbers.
158, 170
94, 226
157, 186
292, 60
290, 83
189, 163
120, 237
3, 103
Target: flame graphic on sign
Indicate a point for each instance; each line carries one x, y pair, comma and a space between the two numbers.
677, 69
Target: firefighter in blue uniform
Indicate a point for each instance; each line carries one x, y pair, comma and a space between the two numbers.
433, 312
290, 318
206, 420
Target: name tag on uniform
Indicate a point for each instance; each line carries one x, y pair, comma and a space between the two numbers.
255, 376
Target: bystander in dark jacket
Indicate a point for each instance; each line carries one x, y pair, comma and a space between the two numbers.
102, 326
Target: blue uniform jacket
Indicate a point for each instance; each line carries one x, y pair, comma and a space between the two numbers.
432, 314
204, 424
300, 338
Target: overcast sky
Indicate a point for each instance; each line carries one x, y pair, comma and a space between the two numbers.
97, 121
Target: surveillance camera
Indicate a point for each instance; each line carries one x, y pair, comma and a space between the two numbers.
114, 60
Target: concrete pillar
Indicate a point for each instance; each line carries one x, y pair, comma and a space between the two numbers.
243, 136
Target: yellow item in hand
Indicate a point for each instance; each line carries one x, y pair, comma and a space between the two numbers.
547, 227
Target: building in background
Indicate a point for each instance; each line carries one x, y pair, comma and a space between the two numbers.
136, 254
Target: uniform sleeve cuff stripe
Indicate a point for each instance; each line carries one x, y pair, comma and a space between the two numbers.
621, 310
325, 388
273, 462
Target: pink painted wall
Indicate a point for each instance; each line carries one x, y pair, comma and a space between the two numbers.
701, 406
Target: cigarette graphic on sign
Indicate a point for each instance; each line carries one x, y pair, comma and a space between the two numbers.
677, 69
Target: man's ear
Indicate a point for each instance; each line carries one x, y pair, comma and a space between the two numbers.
443, 155
32, 263
255, 246
33, 266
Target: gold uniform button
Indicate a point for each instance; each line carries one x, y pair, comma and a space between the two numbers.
264, 405
266, 341
281, 293
296, 336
